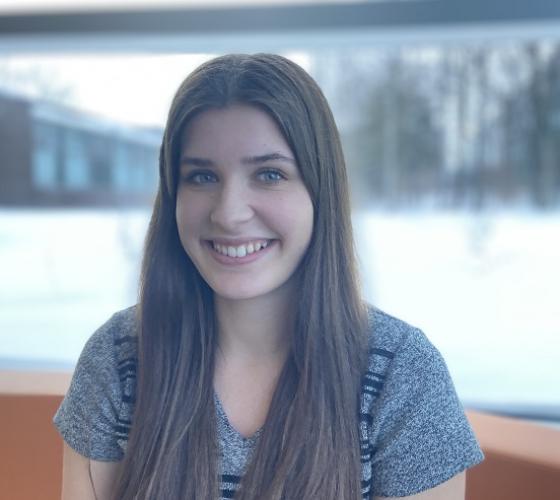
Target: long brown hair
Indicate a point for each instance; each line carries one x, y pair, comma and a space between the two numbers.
309, 446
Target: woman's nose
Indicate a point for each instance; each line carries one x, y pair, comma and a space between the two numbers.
232, 206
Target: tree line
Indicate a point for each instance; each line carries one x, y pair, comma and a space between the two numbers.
454, 126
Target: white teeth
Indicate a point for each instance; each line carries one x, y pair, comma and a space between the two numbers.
241, 250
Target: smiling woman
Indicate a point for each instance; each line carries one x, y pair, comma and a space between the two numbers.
252, 367
256, 212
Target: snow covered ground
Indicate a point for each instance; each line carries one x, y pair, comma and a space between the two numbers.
484, 288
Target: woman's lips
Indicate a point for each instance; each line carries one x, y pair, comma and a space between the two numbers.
232, 261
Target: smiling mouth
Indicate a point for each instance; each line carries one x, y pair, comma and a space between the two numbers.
240, 251
243, 251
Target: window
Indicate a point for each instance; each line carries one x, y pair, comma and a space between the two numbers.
76, 165
99, 153
450, 120
46, 156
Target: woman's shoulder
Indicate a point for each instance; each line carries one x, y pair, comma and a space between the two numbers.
417, 430
123, 324
390, 336
401, 354
118, 335
94, 417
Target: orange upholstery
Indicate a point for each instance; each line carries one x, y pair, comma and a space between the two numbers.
522, 459
31, 449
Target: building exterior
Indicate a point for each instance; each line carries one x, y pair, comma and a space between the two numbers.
53, 155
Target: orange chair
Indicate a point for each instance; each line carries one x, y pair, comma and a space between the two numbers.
522, 460
31, 449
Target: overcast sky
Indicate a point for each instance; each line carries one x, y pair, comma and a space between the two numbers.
132, 88
135, 88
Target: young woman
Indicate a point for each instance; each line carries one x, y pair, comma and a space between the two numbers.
251, 367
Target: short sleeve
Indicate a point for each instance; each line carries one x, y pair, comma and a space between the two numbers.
420, 434
88, 415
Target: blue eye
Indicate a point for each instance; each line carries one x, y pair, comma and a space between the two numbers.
200, 178
271, 176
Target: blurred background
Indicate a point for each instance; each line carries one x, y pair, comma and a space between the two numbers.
450, 120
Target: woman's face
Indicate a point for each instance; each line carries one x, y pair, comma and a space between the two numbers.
243, 213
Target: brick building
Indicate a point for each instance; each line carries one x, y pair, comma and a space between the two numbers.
53, 155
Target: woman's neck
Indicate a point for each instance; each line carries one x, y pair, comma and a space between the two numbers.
257, 330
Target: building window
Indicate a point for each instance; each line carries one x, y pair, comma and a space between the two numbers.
46, 168
76, 167
121, 166
100, 154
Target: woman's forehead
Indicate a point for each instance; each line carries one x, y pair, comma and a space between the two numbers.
243, 130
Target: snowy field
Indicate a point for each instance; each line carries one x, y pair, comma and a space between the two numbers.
484, 288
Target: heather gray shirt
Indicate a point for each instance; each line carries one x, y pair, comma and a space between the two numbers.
414, 433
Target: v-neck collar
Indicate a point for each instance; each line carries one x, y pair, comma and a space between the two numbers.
232, 431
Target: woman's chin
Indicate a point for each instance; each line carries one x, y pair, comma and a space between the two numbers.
249, 291
237, 294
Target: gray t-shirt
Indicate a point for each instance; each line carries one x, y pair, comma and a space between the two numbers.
413, 429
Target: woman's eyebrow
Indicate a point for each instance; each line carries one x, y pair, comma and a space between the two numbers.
251, 160
196, 162
248, 160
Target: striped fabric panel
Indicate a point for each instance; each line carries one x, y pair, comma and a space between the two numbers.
372, 386
230, 485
